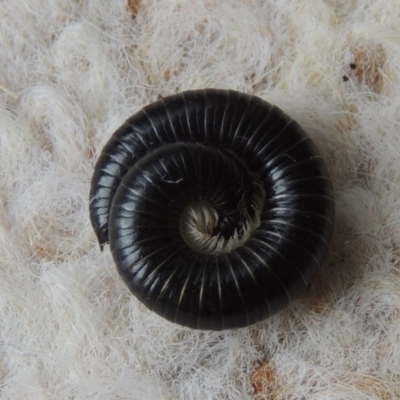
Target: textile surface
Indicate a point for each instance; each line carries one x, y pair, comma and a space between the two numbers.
71, 72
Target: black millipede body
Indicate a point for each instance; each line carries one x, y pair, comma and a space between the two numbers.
217, 206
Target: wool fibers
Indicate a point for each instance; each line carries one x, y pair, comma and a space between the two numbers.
71, 72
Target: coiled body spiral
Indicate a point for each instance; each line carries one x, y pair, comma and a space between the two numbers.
217, 206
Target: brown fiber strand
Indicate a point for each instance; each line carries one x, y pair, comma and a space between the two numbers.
134, 7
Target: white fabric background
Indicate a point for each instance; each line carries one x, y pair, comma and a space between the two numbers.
71, 71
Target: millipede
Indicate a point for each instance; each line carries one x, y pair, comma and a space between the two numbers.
217, 206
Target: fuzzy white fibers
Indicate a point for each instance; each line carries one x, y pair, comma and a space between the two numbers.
71, 72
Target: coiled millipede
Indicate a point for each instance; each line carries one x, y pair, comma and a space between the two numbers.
217, 206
